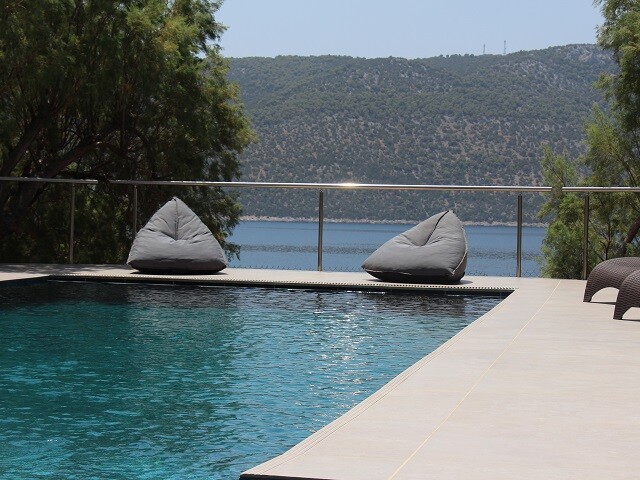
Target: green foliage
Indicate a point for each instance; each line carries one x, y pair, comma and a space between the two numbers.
612, 158
557, 172
112, 90
620, 33
447, 120
610, 215
562, 246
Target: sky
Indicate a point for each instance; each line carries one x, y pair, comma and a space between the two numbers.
402, 28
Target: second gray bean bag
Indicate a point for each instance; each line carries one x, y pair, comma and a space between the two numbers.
434, 251
176, 241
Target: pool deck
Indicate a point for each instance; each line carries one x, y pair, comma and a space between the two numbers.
543, 386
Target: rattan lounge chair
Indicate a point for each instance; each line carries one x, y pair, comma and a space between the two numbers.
628, 295
610, 273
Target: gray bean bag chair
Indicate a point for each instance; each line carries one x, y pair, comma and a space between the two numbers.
176, 241
434, 251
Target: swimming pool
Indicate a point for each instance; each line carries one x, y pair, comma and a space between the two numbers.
151, 381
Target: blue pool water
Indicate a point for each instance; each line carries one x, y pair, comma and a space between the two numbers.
141, 381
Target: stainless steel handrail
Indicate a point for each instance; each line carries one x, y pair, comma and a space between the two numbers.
602, 189
329, 186
520, 189
296, 185
77, 181
337, 186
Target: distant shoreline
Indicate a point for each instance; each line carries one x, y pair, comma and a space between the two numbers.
253, 218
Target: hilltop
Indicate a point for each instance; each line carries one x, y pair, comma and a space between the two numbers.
477, 120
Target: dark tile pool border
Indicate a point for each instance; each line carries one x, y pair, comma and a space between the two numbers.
396, 288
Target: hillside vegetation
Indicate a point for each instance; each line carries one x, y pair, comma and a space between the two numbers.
470, 120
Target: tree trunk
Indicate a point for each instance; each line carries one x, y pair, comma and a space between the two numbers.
16, 153
17, 206
631, 234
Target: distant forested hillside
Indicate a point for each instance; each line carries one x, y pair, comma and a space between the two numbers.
477, 120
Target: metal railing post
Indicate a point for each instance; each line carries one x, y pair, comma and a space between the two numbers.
135, 210
585, 238
72, 221
320, 227
519, 239
321, 187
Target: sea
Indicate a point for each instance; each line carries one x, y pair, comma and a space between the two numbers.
294, 246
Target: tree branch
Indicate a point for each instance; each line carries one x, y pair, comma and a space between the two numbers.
631, 234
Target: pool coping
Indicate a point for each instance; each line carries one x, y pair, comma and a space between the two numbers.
255, 278
542, 386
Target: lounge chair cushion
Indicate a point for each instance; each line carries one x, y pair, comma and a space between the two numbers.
434, 251
175, 240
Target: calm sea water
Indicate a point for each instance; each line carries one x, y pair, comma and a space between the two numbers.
140, 381
293, 245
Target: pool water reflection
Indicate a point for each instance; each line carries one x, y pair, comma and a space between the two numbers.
142, 381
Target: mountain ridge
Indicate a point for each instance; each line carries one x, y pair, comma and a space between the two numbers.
461, 119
